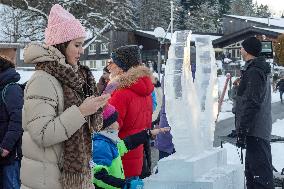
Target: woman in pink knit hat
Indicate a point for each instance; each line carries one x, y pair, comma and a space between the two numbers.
61, 109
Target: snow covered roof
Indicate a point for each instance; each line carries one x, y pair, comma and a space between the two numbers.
168, 35
243, 34
273, 30
272, 21
212, 37
193, 36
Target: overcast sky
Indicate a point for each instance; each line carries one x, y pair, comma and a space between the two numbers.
277, 6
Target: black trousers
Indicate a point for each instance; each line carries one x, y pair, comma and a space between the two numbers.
258, 165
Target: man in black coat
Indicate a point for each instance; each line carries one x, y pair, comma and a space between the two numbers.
11, 103
253, 116
280, 87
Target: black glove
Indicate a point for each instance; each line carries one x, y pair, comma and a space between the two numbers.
241, 140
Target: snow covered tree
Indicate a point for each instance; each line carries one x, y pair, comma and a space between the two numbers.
180, 13
155, 14
225, 7
242, 8
137, 4
18, 25
204, 19
97, 15
262, 11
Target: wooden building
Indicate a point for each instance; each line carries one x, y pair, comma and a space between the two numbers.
238, 28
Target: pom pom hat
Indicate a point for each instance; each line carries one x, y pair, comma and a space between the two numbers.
62, 26
110, 115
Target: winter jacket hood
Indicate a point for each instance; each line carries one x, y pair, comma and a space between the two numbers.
35, 53
8, 76
137, 79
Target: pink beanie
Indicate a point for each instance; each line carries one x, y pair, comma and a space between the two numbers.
110, 115
62, 26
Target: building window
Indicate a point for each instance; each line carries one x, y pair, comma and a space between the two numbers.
238, 53
90, 63
104, 48
92, 49
21, 54
104, 63
93, 64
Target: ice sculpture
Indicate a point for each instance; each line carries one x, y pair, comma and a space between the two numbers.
191, 111
191, 107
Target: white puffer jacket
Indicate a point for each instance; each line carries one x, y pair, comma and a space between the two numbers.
46, 125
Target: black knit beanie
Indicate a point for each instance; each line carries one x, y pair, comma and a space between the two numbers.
126, 57
252, 46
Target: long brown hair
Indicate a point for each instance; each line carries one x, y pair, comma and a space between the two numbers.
62, 47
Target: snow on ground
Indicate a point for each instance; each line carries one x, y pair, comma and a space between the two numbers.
233, 152
226, 109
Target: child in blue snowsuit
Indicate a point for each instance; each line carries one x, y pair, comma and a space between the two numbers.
107, 150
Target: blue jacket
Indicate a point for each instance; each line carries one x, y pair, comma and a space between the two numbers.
107, 150
11, 116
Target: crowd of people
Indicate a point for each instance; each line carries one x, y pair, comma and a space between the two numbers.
65, 131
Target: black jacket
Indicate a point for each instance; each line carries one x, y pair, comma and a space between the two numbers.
11, 116
253, 102
280, 85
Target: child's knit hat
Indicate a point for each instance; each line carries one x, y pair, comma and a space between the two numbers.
126, 57
62, 26
110, 115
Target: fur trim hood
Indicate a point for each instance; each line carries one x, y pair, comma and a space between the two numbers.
138, 79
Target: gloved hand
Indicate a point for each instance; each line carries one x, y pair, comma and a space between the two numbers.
134, 184
241, 140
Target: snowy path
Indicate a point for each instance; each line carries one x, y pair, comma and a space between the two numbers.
224, 127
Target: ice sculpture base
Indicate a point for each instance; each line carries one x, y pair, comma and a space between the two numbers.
209, 170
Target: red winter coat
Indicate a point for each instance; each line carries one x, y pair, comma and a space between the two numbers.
132, 99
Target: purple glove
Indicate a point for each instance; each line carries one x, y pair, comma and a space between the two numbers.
110, 88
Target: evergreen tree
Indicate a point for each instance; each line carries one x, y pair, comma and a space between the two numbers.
137, 4
180, 13
155, 14
242, 8
262, 11
205, 18
225, 7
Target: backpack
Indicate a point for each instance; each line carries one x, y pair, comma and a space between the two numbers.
4, 90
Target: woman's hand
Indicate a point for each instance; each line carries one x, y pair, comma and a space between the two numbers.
155, 132
92, 104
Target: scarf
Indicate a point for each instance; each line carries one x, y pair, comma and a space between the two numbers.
77, 149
